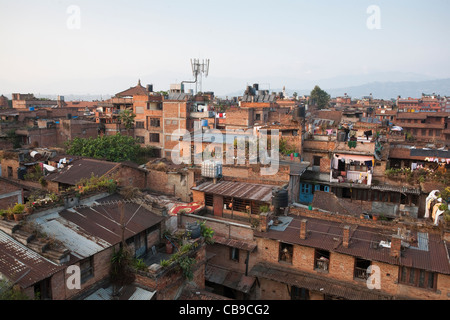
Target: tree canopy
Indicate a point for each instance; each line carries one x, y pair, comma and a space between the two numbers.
116, 148
320, 98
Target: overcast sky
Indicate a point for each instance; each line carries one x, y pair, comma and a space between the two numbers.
44, 48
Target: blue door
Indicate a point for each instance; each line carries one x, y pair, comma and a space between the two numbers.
306, 193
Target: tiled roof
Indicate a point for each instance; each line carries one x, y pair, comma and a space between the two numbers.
133, 91
364, 243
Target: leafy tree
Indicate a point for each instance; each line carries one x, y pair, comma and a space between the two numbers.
126, 117
320, 98
116, 148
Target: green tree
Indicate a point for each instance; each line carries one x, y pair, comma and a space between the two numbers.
126, 117
319, 97
116, 148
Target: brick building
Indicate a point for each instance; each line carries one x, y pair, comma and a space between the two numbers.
80, 242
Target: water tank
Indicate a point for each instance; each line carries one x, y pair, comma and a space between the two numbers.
211, 169
193, 229
280, 198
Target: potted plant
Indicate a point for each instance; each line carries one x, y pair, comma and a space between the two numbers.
29, 207
2, 214
18, 211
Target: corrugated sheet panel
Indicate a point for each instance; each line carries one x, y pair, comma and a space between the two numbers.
257, 192
76, 239
80, 169
21, 264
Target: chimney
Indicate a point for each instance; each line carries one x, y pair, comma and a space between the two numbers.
346, 236
396, 246
303, 230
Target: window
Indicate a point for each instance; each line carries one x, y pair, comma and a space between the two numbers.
285, 252
306, 188
316, 161
155, 122
208, 199
234, 254
154, 137
360, 270
322, 260
174, 122
139, 125
87, 269
140, 139
257, 117
417, 278
424, 132
10, 172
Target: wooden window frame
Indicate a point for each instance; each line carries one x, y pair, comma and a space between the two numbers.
411, 277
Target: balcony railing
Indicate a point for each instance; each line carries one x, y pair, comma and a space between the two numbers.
322, 264
361, 273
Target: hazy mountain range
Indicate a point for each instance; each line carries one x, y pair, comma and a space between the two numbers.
388, 85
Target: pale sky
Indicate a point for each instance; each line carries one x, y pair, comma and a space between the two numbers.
276, 43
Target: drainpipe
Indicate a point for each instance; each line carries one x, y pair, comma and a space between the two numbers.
246, 263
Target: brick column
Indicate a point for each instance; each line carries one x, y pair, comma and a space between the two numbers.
396, 246
303, 229
346, 236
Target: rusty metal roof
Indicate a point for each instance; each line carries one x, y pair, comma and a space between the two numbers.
21, 265
364, 243
230, 279
89, 229
239, 244
81, 169
250, 191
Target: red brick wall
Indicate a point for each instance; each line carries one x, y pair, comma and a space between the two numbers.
325, 164
132, 177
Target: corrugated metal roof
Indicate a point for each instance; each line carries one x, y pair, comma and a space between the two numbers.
400, 189
81, 244
230, 279
250, 191
23, 265
239, 244
88, 230
81, 169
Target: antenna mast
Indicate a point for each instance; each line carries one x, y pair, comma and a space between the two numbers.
199, 69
